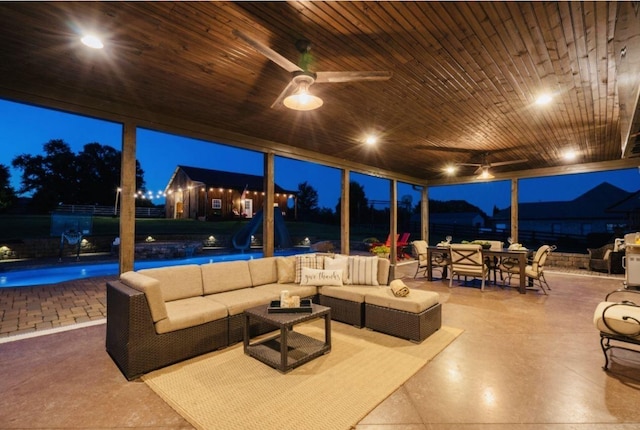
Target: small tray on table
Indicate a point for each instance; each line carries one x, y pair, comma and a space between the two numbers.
275, 308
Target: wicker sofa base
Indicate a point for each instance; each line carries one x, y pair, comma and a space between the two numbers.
407, 325
134, 345
344, 311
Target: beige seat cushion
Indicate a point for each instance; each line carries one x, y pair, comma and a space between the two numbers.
225, 276
190, 312
237, 301
352, 293
177, 282
151, 289
416, 302
614, 317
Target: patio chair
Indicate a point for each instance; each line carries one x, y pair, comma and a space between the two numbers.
534, 271
618, 320
467, 260
402, 243
438, 259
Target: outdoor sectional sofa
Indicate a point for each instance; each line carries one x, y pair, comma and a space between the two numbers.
157, 317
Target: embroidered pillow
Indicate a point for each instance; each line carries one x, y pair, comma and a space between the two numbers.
307, 260
338, 264
363, 270
286, 267
320, 277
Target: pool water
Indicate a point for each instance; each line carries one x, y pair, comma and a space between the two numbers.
53, 275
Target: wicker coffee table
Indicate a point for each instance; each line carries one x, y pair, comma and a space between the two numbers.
287, 349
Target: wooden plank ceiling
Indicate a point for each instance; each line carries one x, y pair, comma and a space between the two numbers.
465, 75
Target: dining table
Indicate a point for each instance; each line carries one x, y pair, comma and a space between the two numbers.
519, 255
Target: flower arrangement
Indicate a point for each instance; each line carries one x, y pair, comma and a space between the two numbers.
380, 249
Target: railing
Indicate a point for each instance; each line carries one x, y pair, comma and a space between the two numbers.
141, 212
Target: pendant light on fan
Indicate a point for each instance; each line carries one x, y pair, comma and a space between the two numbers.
301, 99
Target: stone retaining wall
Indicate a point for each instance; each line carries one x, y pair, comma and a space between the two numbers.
569, 260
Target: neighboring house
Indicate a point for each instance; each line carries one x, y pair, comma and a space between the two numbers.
198, 193
630, 207
464, 219
592, 212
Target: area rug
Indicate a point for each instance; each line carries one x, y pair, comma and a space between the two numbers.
229, 390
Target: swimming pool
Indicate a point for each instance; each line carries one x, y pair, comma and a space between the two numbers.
53, 275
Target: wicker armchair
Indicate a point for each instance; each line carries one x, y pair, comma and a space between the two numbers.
600, 258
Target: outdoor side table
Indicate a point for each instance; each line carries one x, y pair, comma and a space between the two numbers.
287, 349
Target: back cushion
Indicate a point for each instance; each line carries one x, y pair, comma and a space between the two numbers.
177, 282
263, 271
363, 270
383, 271
286, 269
225, 276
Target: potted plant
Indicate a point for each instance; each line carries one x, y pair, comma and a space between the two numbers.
381, 251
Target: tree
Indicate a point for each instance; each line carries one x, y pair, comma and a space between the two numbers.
103, 162
7, 194
51, 178
307, 201
358, 204
60, 176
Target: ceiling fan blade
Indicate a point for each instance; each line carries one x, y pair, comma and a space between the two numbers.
480, 169
283, 94
268, 52
470, 164
334, 77
504, 163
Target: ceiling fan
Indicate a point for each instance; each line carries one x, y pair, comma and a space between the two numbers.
296, 94
483, 168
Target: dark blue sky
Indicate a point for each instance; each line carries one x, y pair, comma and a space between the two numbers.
25, 129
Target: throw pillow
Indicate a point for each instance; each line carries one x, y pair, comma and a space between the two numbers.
306, 260
286, 267
363, 270
320, 277
338, 264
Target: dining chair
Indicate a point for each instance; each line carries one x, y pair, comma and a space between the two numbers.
438, 259
420, 252
467, 260
535, 270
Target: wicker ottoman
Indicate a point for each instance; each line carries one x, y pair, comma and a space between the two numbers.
414, 317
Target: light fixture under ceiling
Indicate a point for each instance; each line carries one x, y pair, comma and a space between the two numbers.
485, 173
92, 41
301, 99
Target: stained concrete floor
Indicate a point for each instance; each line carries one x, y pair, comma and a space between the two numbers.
523, 362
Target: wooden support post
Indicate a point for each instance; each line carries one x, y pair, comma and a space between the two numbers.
514, 210
344, 214
127, 199
268, 230
393, 226
424, 211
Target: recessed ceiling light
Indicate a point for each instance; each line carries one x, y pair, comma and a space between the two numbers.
450, 170
371, 140
544, 99
570, 155
92, 41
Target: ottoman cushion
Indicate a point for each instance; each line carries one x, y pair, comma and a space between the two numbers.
416, 302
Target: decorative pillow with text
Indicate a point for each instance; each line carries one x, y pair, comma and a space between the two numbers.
320, 277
